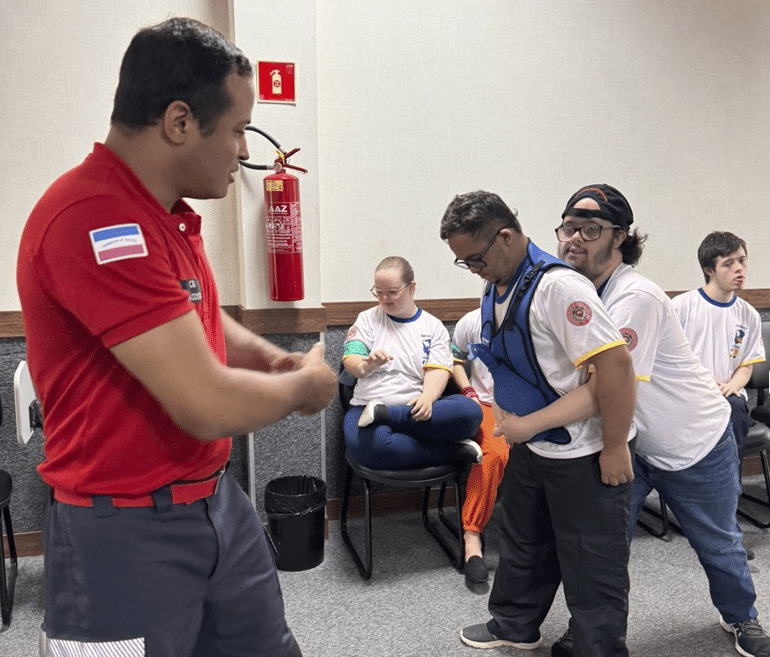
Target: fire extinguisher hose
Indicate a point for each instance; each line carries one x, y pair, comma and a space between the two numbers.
280, 160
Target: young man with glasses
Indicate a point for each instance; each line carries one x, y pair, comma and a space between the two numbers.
685, 447
566, 493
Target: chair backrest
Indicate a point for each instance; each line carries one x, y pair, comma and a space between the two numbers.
761, 371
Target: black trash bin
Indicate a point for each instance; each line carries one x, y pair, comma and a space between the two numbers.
295, 519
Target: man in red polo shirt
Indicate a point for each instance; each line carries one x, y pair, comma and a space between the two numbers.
150, 547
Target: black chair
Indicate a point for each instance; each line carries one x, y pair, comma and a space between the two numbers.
661, 514
412, 478
758, 440
9, 572
8, 577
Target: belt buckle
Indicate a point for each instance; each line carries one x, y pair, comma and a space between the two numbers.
219, 475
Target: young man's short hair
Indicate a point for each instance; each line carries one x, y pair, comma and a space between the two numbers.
718, 244
475, 212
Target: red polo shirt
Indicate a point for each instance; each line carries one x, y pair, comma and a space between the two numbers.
100, 262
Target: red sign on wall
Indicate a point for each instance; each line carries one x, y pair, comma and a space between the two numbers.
276, 82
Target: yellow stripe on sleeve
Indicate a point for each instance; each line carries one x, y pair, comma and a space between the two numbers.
579, 362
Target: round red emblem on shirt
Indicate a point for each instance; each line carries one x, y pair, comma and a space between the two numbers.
579, 313
630, 336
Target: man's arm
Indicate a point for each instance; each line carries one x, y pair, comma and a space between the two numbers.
208, 399
610, 392
249, 350
578, 404
616, 398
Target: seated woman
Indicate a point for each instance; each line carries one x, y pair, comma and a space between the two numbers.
401, 358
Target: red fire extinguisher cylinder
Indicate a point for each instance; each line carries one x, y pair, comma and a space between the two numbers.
283, 230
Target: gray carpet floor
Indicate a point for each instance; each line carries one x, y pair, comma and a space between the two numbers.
416, 603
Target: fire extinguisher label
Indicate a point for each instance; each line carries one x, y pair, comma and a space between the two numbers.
284, 228
273, 185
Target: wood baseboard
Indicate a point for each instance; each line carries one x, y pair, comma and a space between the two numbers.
28, 544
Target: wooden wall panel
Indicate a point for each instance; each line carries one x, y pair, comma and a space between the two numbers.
315, 320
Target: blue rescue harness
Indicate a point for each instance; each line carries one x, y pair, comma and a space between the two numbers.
509, 354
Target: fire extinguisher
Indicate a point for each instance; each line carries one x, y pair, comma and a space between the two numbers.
283, 225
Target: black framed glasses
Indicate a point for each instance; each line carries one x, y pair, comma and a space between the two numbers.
387, 294
477, 262
589, 232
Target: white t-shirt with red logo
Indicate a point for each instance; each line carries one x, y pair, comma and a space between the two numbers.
680, 413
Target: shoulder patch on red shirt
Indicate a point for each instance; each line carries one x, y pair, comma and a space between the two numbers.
579, 313
630, 336
118, 242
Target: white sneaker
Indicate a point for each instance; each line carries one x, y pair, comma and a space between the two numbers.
374, 411
468, 451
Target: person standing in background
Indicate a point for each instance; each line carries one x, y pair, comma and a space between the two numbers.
685, 446
566, 492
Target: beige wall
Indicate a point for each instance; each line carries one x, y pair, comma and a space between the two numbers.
402, 104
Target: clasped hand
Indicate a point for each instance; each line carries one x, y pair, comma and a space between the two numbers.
513, 428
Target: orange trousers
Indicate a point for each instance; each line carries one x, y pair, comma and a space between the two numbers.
484, 478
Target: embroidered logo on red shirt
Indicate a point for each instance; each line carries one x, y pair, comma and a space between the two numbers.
579, 313
630, 336
118, 242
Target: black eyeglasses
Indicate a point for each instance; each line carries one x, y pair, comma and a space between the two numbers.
589, 232
477, 262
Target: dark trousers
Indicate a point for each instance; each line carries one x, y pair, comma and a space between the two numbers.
193, 580
559, 523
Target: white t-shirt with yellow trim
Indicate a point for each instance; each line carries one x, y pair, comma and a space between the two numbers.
416, 343
468, 331
568, 324
680, 413
725, 336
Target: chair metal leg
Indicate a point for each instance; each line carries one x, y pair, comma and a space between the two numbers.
8, 579
455, 557
364, 568
756, 500
662, 515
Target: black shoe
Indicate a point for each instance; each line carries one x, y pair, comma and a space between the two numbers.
374, 411
749, 552
563, 647
478, 636
750, 639
475, 570
466, 451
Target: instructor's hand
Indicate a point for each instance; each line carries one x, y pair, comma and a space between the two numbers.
615, 465
321, 384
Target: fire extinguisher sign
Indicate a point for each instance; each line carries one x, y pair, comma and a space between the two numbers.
275, 82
